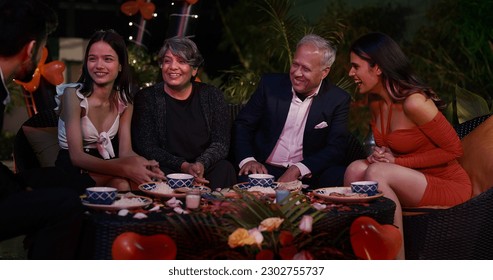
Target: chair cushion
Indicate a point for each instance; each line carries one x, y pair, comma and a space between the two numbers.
478, 156
44, 142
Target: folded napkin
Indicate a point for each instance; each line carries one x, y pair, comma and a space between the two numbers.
173, 202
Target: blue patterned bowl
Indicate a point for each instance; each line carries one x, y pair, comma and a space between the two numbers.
368, 187
263, 180
101, 195
149, 186
179, 180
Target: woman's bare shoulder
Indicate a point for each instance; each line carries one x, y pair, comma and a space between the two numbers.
419, 108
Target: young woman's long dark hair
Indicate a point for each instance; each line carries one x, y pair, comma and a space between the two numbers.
397, 74
122, 82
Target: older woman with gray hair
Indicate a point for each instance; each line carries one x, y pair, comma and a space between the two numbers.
182, 123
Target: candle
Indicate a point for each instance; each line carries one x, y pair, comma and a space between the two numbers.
281, 195
192, 199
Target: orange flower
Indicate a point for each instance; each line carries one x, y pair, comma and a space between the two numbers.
270, 224
286, 238
240, 237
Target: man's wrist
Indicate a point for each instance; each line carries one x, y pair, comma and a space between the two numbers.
244, 161
302, 169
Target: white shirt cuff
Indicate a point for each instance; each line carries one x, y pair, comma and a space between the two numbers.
303, 169
243, 162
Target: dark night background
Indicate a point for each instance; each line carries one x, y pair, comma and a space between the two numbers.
80, 18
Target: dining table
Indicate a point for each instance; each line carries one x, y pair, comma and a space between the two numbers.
103, 226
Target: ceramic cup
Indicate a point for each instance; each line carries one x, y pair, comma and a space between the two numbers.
179, 180
368, 187
101, 195
263, 180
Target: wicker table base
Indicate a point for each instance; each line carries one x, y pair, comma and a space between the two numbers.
103, 228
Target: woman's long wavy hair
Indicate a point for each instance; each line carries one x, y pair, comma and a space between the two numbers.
397, 74
122, 82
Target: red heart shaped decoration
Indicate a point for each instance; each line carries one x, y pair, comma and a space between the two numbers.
191, 2
33, 84
373, 241
130, 8
147, 10
133, 246
52, 72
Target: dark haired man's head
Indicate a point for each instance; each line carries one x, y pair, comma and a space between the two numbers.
25, 25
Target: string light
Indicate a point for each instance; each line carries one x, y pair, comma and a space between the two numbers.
184, 15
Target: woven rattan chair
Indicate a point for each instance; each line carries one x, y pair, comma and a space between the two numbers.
461, 232
355, 150
24, 156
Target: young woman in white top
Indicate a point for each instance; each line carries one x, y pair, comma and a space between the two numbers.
95, 110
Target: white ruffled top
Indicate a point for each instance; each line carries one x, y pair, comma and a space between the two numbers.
92, 138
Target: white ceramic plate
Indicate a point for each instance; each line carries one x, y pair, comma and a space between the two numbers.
143, 201
348, 198
247, 186
178, 193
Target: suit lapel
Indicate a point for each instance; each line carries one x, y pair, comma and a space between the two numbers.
282, 105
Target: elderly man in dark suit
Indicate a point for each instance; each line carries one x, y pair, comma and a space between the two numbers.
295, 126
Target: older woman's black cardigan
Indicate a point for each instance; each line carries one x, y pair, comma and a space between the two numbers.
149, 125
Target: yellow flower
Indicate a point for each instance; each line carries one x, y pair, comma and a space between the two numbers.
240, 237
270, 224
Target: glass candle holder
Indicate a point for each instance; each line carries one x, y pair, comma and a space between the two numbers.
192, 199
281, 196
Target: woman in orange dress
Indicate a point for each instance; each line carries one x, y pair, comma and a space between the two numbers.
415, 158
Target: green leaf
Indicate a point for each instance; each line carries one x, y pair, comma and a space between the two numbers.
469, 105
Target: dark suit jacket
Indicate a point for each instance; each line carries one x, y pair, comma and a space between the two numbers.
259, 124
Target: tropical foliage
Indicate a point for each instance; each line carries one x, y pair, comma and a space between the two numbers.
265, 41
144, 66
254, 227
452, 51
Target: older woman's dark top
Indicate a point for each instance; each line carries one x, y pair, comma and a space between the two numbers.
151, 122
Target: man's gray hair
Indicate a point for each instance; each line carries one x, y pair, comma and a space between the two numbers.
329, 51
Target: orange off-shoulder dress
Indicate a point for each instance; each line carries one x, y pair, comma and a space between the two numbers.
433, 149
